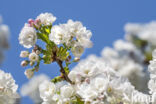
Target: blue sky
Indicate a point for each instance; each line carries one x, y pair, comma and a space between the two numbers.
105, 18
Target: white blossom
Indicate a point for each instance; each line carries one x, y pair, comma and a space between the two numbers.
142, 31
33, 57
86, 68
8, 88
46, 18
24, 54
28, 36
73, 34
78, 31
67, 91
47, 90
87, 93
59, 34
60, 84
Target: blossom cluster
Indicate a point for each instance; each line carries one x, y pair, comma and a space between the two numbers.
8, 89
131, 56
73, 34
126, 59
116, 77
61, 40
4, 35
143, 35
142, 31
94, 83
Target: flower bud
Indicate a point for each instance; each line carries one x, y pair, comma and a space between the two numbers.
36, 47
31, 22
24, 63
38, 52
29, 73
24, 54
37, 23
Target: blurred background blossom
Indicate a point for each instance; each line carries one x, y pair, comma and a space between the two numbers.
31, 88
4, 38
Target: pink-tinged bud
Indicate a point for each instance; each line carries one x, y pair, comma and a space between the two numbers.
31, 22
37, 23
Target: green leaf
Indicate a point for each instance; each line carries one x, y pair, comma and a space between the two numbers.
45, 38
47, 30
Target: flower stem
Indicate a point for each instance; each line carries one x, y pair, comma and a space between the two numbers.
59, 62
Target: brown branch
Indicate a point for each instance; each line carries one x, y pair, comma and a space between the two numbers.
59, 62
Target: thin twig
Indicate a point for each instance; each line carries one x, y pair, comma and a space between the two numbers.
59, 62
